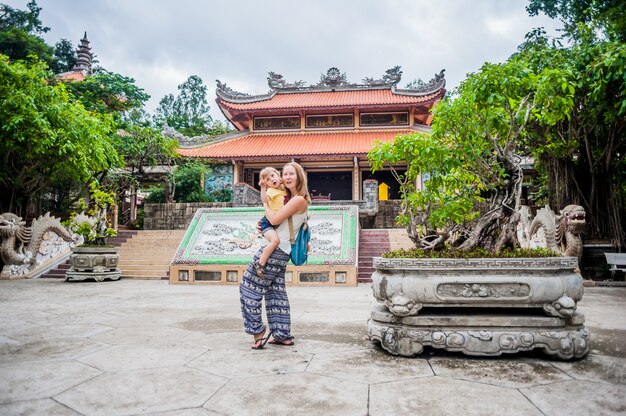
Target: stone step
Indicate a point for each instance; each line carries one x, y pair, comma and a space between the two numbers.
144, 260
369, 253
147, 253
369, 270
364, 279
58, 271
144, 269
144, 277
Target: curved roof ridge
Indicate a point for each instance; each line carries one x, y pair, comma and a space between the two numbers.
333, 81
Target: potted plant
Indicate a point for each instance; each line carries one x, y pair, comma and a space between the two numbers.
94, 259
467, 286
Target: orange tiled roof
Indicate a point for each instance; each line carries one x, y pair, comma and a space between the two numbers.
294, 144
72, 76
330, 99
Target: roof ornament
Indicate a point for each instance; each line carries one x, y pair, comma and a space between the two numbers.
334, 78
421, 88
435, 81
277, 82
391, 77
225, 90
84, 56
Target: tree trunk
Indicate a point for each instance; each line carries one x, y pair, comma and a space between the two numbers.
502, 213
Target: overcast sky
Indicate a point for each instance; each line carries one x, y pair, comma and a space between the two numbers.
160, 43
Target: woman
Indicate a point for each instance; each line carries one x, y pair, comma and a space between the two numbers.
254, 288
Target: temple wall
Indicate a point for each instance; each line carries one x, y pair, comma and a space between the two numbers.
174, 216
245, 195
177, 216
387, 213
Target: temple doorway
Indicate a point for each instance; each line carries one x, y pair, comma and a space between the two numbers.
331, 185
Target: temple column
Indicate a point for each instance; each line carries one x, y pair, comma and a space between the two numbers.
356, 179
237, 171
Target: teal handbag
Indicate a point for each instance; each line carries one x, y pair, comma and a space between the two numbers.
299, 243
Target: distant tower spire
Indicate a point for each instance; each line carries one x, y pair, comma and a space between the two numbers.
84, 56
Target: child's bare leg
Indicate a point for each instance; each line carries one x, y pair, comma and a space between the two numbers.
274, 241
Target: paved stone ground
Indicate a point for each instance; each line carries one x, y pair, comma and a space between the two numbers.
147, 347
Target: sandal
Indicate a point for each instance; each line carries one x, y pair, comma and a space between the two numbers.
285, 342
259, 269
259, 343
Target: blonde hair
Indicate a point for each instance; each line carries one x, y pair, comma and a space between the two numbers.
265, 172
302, 187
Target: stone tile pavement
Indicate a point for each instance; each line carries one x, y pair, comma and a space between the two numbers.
149, 348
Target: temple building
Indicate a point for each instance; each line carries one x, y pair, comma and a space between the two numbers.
84, 62
327, 127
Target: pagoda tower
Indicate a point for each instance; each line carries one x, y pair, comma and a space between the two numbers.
84, 56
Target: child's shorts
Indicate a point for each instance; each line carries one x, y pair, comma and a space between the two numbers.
265, 224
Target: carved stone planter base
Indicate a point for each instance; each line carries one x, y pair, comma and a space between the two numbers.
98, 263
97, 276
479, 333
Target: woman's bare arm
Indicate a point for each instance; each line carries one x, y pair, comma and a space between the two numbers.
296, 205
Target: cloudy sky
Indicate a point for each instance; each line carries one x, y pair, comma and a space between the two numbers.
160, 43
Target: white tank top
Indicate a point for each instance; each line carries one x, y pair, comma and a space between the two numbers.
283, 230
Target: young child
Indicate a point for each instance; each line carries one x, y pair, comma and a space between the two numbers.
271, 183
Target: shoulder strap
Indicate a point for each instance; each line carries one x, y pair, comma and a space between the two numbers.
292, 237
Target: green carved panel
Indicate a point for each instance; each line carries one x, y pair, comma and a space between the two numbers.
229, 236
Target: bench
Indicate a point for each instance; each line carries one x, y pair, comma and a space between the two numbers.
617, 261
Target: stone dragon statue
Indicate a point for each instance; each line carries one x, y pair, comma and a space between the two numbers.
26, 250
560, 233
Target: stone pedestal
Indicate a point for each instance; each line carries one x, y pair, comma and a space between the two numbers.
96, 263
479, 306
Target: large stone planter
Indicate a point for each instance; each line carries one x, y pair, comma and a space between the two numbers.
96, 263
479, 306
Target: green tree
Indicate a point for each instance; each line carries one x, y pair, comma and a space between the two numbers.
473, 154
189, 178
64, 56
188, 112
28, 21
47, 138
143, 146
108, 92
20, 34
582, 155
607, 16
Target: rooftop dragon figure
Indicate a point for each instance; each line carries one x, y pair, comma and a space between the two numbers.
560, 233
24, 249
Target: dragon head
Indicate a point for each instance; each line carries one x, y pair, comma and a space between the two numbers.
572, 219
10, 224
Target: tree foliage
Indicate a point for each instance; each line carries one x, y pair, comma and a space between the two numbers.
607, 16
189, 178
46, 137
582, 156
473, 155
563, 105
108, 92
20, 32
26, 20
188, 112
64, 56
143, 146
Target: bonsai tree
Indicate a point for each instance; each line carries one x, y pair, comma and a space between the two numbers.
93, 225
473, 155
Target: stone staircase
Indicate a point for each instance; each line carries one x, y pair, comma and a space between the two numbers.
373, 242
59, 271
148, 254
